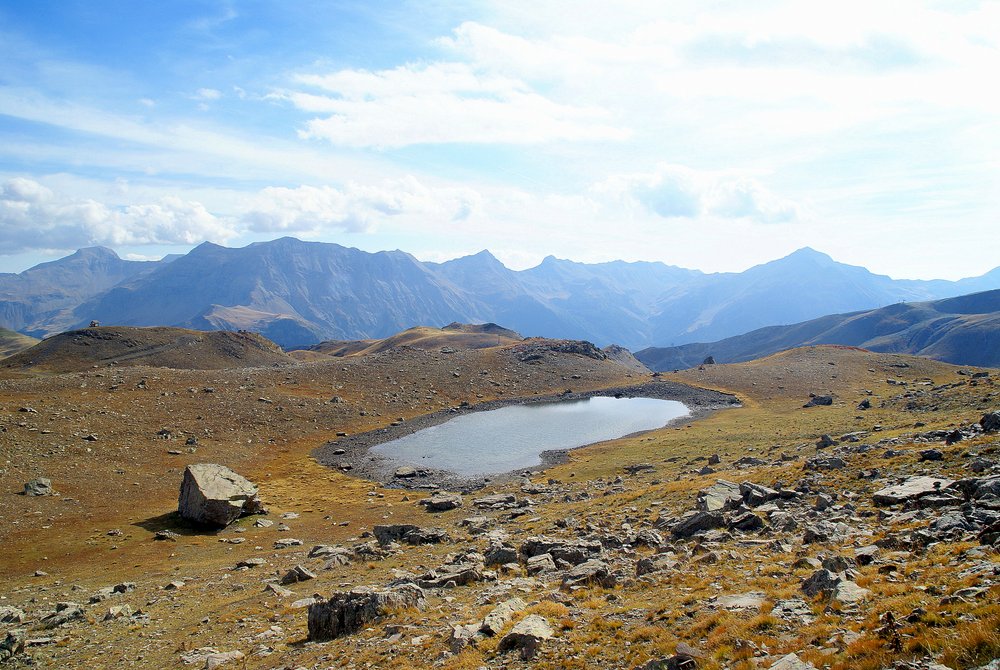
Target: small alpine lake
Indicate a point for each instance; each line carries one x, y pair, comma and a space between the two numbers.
514, 437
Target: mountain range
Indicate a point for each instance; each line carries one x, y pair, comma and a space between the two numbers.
300, 293
963, 330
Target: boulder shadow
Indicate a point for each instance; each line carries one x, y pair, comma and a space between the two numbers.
173, 522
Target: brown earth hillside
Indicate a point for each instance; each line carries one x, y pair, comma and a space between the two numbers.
178, 348
453, 336
629, 576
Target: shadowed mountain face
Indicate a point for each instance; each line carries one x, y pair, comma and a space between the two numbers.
300, 293
963, 330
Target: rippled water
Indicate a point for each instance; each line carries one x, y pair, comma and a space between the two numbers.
512, 438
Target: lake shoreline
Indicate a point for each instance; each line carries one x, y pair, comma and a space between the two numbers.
358, 460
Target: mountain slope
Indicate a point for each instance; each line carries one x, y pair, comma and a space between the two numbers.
296, 292
804, 285
37, 301
964, 330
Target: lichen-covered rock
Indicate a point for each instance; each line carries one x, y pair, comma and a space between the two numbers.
344, 613
213, 495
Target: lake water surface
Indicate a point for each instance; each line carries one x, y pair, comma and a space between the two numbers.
513, 438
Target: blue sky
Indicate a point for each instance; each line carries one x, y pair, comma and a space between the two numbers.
707, 135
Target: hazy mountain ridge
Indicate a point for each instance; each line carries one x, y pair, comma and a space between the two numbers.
964, 330
299, 293
38, 300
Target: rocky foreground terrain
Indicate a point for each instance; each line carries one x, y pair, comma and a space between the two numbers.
846, 515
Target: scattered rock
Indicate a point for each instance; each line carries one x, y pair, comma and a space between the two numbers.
592, 572
409, 534
39, 487
819, 400
697, 522
405, 472
833, 586
221, 658
497, 501
911, 489
442, 502
501, 615
990, 423
213, 495
11, 615
537, 565
570, 551
347, 612
12, 644
297, 574
792, 662
744, 601
721, 495
527, 636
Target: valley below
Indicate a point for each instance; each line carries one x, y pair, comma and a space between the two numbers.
749, 535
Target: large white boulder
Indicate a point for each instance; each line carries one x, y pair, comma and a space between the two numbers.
215, 496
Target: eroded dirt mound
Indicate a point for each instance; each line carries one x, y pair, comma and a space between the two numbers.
178, 348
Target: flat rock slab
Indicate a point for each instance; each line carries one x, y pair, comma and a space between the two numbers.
213, 495
742, 601
912, 488
792, 662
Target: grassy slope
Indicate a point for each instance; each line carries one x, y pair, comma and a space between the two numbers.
613, 628
12, 342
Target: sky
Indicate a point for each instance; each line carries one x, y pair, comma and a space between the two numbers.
707, 134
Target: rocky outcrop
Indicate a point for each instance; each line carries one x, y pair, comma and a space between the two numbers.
347, 612
214, 496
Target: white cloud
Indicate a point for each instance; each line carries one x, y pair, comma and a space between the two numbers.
32, 216
356, 207
674, 191
207, 94
441, 103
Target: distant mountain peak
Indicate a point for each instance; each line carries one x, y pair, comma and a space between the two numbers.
97, 251
810, 254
